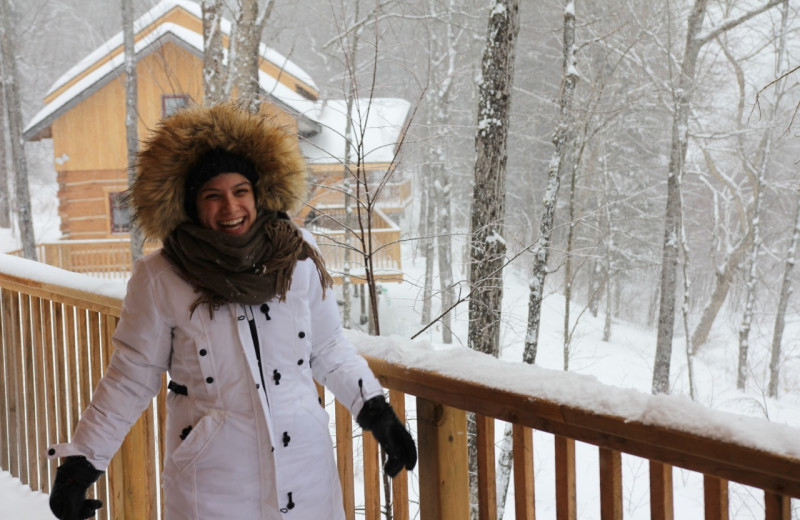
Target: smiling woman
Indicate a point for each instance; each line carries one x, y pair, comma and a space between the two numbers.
226, 203
238, 308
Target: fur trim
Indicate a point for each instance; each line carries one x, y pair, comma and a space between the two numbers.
181, 139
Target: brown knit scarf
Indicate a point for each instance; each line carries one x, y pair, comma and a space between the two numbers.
250, 268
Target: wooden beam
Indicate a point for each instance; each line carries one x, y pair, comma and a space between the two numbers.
610, 484
524, 494
487, 487
443, 468
661, 507
715, 498
566, 502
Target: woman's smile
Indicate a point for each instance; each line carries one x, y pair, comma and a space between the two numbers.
226, 203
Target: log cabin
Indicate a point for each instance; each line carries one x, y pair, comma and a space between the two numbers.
84, 115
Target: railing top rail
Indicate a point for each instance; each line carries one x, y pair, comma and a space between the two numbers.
44, 281
669, 429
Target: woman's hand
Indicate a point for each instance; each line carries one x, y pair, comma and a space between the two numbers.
378, 417
68, 497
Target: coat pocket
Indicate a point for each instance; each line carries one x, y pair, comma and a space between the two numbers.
197, 440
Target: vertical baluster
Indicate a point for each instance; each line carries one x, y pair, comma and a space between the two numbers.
28, 450
660, 491
344, 458
777, 507
566, 503
715, 498
610, 484
372, 488
524, 494
400, 482
487, 487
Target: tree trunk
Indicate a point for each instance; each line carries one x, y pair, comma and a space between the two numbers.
783, 302
680, 120
131, 116
5, 199
488, 247
562, 140
14, 111
246, 52
213, 51
677, 158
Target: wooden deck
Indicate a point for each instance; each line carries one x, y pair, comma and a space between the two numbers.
56, 341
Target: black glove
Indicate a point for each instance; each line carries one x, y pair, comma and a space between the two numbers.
378, 417
68, 497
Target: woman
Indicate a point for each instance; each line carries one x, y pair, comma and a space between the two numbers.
238, 308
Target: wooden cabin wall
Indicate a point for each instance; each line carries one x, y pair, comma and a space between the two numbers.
91, 137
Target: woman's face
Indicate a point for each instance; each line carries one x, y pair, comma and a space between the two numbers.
226, 203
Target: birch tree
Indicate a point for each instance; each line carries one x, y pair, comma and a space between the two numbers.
14, 114
131, 115
213, 53
562, 141
682, 102
245, 51
5, 200
783, 302
488, 248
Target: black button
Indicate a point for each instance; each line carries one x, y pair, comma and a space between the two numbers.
302, 335
209, 380
203, 352
258, 385
299, 361
51, 452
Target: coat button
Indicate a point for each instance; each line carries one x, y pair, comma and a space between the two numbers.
299, 361
301, 335
276, 376
203, 352
286, 439
209, 380
258, 385
51, 452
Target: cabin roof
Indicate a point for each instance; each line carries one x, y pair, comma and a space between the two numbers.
321, 123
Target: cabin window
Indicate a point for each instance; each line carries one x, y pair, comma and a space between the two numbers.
172, 103
119, 212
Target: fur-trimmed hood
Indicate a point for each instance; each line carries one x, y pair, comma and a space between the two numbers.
167, 157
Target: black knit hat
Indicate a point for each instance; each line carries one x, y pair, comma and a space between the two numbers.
212, 163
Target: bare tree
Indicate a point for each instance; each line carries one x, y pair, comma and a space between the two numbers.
783, 302
14, 113
682, 100
131, 115
5, 200
245, 52
562, 141
488, 247
213, 53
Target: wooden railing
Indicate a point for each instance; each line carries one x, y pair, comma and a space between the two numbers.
111, 258
56, 341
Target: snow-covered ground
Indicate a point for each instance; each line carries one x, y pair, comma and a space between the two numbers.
625, 361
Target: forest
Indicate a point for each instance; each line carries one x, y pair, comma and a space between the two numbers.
636, 157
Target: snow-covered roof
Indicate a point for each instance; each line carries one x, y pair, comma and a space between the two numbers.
381, 120
190, 39
320, 122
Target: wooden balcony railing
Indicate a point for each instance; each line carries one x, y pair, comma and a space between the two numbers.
56, 326
111, 258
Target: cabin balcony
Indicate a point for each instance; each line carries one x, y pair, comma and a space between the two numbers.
110, 258
55, 330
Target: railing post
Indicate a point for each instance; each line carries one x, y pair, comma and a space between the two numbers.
524, 496
443, 468
777, 507
715, 498
487, 487
610, 484
566, 502
660, 491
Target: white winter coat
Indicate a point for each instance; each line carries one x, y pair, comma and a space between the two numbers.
250, 451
